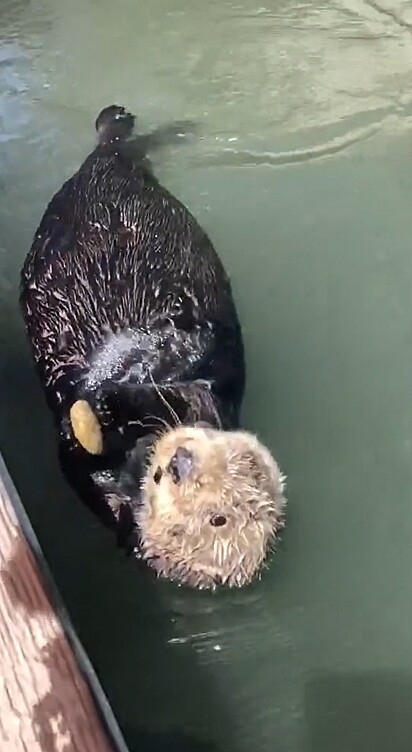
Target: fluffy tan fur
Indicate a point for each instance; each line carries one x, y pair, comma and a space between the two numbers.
233, 475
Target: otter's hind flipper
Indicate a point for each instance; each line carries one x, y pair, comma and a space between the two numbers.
139, 146
113, 123
166, 135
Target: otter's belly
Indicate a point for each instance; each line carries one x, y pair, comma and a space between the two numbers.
136, 356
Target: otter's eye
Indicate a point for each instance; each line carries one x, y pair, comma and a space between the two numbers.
218, 520
158, 475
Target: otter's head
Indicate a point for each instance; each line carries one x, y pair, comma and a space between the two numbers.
212, 503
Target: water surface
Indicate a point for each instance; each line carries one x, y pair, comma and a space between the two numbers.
301, 172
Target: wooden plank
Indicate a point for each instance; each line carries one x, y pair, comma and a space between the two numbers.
50, 697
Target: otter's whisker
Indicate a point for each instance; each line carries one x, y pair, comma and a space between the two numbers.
165, 402
165, 425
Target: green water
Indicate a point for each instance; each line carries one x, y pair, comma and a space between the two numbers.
302, 174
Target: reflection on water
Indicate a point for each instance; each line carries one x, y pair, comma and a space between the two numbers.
301, 173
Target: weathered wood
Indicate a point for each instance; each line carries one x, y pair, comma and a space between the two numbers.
50, 698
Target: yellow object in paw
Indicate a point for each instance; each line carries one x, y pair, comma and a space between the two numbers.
86, 427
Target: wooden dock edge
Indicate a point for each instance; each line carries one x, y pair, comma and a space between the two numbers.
50, 697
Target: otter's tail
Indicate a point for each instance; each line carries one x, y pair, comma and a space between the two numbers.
113, 124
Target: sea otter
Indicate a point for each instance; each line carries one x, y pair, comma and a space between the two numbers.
136, 339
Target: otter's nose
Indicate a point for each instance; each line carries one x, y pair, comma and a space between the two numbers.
181, 464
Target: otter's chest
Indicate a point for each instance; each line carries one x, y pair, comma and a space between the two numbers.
147, 355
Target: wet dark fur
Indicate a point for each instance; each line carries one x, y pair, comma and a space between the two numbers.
116, 256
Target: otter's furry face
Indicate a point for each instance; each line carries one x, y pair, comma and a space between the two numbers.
212, 505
